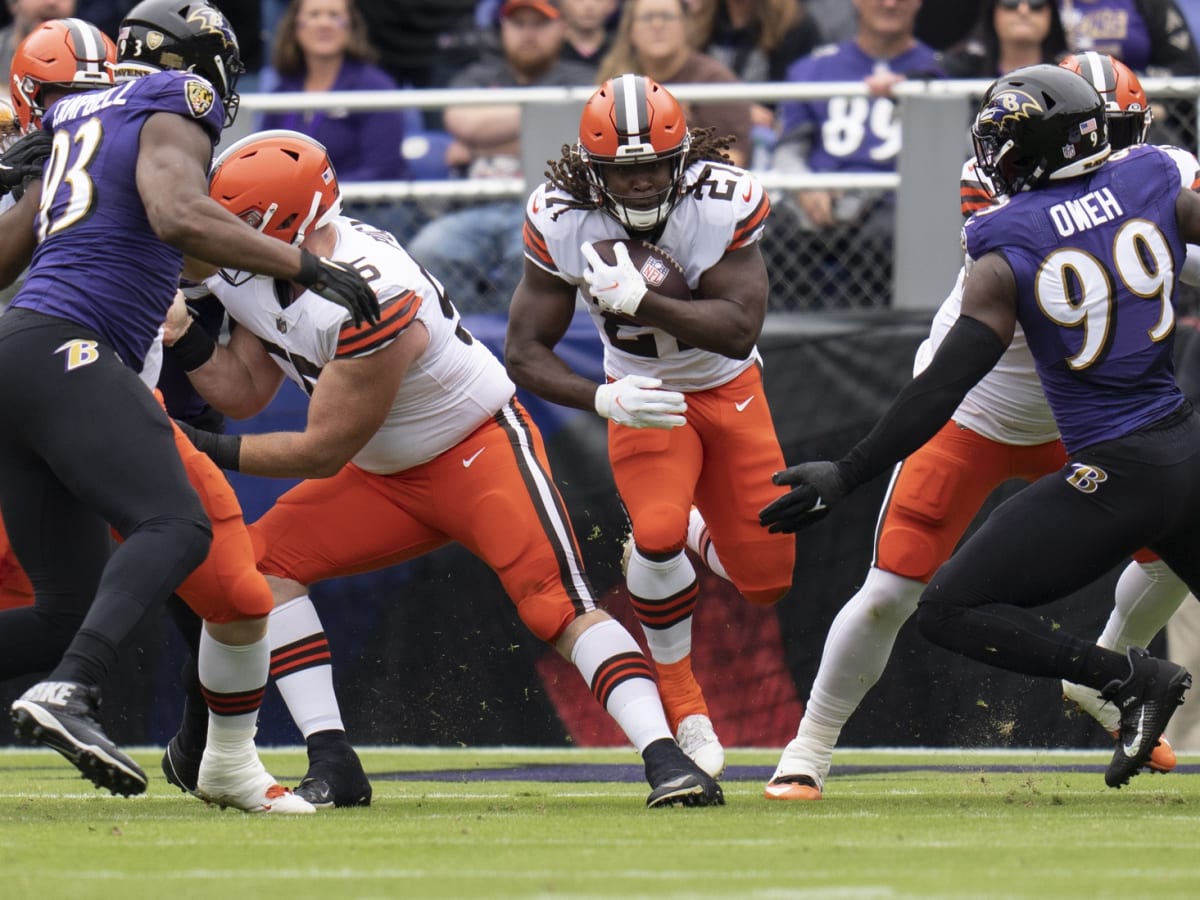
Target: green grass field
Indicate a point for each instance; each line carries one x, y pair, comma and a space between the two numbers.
892, 824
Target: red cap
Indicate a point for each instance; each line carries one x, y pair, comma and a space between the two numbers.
545, 7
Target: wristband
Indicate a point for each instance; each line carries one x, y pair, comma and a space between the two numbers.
193, 349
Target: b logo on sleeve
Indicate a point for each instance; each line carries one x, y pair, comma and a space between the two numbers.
200, 97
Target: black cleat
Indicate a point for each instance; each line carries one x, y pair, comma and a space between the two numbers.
62, 715
677, 781
335, 774
180, 768
1147, 699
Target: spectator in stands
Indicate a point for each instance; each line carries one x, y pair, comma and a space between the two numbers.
27, 15
852, 231
423, 43
1152, 38
1149, 36
653, 40
943, 23
837, 17
477, 251
756, 39
1008, 35
322, 45
589, 31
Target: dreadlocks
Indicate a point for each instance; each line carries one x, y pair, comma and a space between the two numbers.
569, 173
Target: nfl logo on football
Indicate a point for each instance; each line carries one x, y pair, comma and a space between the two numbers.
654, 271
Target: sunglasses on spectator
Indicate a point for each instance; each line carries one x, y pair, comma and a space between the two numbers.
1034, 5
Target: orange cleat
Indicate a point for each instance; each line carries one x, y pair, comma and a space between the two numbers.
792, 787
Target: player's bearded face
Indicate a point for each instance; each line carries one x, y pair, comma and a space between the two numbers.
638, 185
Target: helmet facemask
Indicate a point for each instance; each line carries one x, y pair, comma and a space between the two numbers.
631, 210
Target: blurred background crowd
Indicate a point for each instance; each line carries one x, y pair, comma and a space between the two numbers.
827, 249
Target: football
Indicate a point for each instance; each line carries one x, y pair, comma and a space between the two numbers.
662, 273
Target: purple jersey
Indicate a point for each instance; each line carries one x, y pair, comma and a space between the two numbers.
852, 134
1095, 261
98, 262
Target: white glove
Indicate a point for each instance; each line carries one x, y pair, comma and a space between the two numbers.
636, 401
618, 288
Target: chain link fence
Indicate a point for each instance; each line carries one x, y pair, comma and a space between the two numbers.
845, 266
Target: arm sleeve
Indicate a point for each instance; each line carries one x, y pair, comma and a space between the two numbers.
968, 352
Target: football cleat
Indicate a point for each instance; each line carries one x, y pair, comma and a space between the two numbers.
1146, 699
239, 780
62, 715
343, 783
697, 739
181, 769
677, 781
1089, 700
792, 787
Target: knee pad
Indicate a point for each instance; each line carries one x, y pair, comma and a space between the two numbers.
767, 596
661, 528
909, 552
547, 616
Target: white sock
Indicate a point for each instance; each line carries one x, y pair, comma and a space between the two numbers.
664, 592
700, 543
300, 665
856, 652
1147, 596
625, 686
233, 680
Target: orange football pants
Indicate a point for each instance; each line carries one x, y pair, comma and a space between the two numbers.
227, 586
721, 461
938, 490
493, 493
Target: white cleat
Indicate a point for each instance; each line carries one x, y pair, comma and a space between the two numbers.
1089, 700
241, 781
697, 739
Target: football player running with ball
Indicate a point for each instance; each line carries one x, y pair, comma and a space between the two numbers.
689, 426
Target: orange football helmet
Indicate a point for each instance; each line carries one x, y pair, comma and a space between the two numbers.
1125, 105
631, 120
64, 53
281, 182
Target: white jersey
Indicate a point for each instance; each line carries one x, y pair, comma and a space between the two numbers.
450, 390
729, 213
1008, 404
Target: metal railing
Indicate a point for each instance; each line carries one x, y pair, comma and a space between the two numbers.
812, 269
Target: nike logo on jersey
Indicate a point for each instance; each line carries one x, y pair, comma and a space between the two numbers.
749, 193
80, 353
467, 460
740, 406
1131, 749
535, 206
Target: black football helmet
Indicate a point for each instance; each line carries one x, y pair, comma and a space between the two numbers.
1037, 124
185, 35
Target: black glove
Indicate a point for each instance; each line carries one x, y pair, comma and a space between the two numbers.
816, 488
339, 284
23, 162
223, 449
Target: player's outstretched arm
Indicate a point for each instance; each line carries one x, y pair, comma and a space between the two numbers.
970, 350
